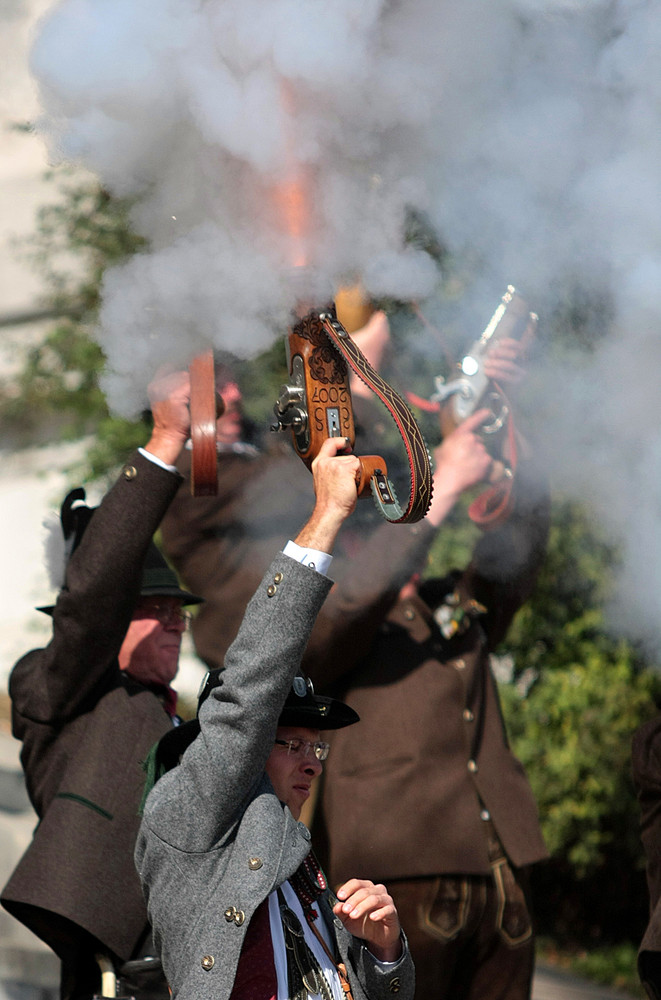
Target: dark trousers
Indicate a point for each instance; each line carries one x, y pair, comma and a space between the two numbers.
471, 937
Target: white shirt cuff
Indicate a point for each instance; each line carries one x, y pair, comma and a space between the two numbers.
157, 461
309, 557
385, 966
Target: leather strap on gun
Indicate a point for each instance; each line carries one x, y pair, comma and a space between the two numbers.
205, 407
494, 506
316, 404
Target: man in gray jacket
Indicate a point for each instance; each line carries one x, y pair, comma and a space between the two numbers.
237, 904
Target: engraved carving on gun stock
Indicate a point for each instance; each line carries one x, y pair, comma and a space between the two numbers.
316, 403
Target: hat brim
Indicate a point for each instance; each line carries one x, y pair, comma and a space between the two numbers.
184, 596
326, 714
165, 591
318, 712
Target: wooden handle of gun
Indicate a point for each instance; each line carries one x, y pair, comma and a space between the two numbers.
203, 413
314, 360
352, 307
370, 465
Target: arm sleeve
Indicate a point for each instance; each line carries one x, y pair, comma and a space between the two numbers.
501, 576
367, 587
193, 807
506, 561
95, 605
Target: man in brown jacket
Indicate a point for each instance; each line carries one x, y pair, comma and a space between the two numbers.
88, 707
461, 826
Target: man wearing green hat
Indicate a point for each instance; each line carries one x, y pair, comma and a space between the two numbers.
88, 707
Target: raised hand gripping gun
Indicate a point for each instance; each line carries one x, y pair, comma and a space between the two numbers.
469, 388
316, 404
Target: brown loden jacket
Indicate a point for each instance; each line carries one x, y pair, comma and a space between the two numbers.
430, 754
86, 727
222, 545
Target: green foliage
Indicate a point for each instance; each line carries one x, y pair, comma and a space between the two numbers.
575, 697
572, 588
260, 380
581, 317
453, 545
91, 226
114, 440
56, 393
614, 966
572, 732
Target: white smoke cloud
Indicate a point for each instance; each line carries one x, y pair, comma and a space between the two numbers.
203, 110
528, 130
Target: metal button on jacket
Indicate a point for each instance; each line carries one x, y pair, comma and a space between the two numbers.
208, 962
130, 472
233, 915
395, 985
271, 589
468, 715
472, 766
459, 664
254, 864
277, 578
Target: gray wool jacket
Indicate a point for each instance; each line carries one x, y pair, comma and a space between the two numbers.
215, 840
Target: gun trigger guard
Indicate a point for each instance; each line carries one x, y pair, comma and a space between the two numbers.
498, 422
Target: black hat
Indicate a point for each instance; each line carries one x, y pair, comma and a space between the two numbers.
302, 708
158, 578
313, 711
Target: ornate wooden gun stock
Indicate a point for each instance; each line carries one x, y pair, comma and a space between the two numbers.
316, 404
205, 407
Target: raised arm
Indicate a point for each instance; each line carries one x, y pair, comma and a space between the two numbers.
194, 805
368, 584
103, 576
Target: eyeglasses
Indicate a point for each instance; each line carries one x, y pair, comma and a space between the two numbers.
166, 614
304, 747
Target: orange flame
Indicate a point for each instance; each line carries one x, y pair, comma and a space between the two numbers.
291, 200
292, 197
